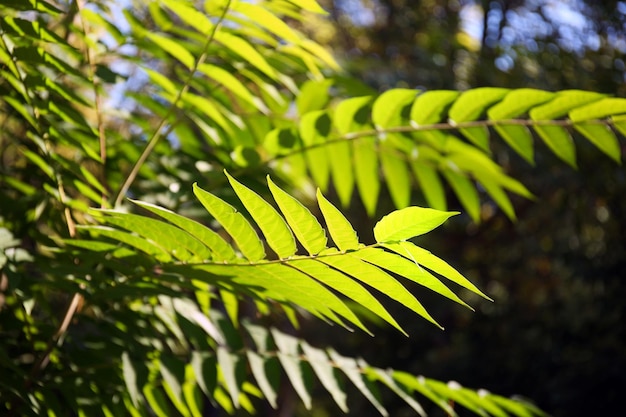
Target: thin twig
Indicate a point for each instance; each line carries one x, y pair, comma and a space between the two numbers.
156, 136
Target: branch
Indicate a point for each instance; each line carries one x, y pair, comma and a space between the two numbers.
156, 136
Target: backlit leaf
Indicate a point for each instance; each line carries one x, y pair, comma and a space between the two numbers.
409, 222
234, 223
339, 227
303, 224
321, 365
273, 226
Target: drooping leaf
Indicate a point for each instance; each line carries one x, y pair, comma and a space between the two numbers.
602, 137
245, 50
267, 381
173, 48
435, 264
314, 129
339, 154
321, 365
465, 192
430, 184
130, 379
346, 286
227, 365
386, 379
396, 175
288, 354
470, 106
378, 279
409, 269
350, 368
366, 172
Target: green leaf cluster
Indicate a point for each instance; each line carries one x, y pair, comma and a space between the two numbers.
173, 179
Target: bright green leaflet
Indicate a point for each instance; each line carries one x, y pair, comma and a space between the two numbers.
409, 222
234, 223
222, 251
303, 224
273, 226
339, 227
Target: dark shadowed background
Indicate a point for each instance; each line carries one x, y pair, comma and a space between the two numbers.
556, 331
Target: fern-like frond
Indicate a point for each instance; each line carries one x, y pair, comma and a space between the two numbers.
428, 138
317, 281
268, 356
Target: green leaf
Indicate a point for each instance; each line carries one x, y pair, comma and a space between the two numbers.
409, 222
339, 153
273, 226
396, 175
408, 269
563, 103
173, 48
432, 106
227, 365
435, 264
366, 172
559, 141
603, 138
518, 102
309, 5
430, 184
419, 384
173, 372
193, 398
351, 369
205, 371
465, 192
496, 192
303, 224
177, 242
222, 251
244, 49
267, 381
470, 106
387, 109
599, 110
150, 248
377, 279
314, 129
386, 379
130, 379
519, 138
515, 104
231, 82
313, 96
352, 115
346, 286
190, 15
339, 227
288, 355
233, 222
157, 401
318, 359
453, 392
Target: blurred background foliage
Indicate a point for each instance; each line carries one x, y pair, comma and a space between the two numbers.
555, 332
